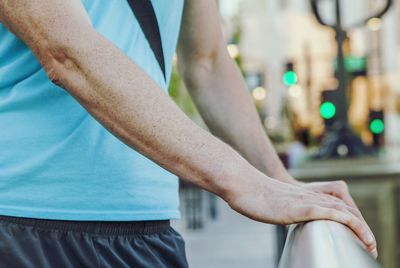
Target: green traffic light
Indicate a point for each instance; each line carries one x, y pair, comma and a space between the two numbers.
290, 78
327, 110
377, 126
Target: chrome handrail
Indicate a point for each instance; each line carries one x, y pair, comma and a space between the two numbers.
324, 244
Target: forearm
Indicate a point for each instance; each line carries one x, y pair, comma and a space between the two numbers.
128, 103
220, 94
121, 96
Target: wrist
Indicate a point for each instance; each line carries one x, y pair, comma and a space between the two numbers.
285, 177
276, 170
240, 181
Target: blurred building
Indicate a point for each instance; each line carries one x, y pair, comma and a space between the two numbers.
274, 33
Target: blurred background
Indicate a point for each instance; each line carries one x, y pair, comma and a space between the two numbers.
324, 78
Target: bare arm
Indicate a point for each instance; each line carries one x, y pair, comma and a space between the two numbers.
220, 94
219, 91
129, 104
118, 93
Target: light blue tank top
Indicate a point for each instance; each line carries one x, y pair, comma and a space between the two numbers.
56, 161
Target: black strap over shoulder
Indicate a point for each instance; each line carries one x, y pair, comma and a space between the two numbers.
146, 16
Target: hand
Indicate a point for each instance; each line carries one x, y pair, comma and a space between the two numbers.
271, 201
340, 190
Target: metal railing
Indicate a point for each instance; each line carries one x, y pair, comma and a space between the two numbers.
324, 244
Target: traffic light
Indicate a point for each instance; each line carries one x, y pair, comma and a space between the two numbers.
328, 108
376, 125
289, 76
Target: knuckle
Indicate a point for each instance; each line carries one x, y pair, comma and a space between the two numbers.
289, 217
339, 206
347, 219
353, 210
332, 214
357, 224
312, 212
342, 185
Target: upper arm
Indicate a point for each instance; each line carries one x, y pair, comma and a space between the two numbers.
201, 36
46, 26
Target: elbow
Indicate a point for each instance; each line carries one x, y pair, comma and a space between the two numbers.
190, 69
58, 67
55, 61
59, 57
197, 67
51, 66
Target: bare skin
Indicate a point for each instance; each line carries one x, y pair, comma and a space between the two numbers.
218, 89
120, 95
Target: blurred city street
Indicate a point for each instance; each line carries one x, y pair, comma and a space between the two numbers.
230, 241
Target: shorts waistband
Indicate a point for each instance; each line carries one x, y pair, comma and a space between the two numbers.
93, 227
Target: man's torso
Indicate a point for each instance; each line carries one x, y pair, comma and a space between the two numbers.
56, 161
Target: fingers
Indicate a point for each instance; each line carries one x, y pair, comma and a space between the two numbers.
343, 193
343, 207
340, 190
345, 217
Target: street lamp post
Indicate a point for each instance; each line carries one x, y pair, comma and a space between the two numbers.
341, 141
341, 71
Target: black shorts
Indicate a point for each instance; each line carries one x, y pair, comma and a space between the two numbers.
41, 243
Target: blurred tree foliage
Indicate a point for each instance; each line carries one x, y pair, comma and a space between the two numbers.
180, 95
